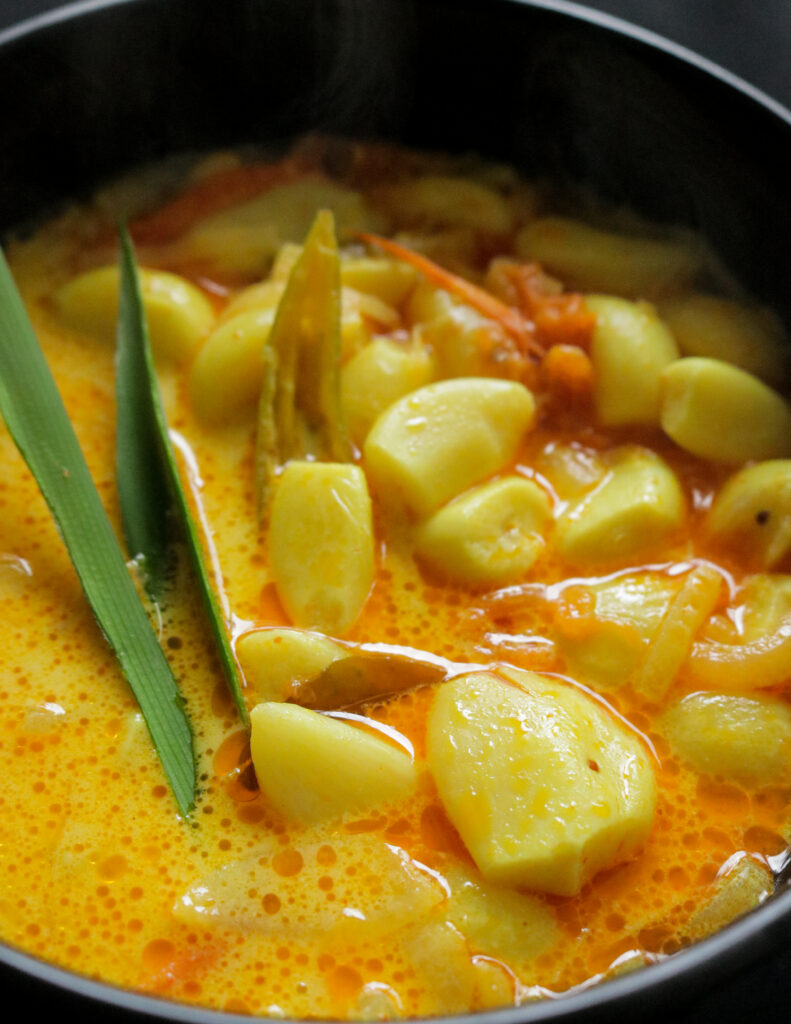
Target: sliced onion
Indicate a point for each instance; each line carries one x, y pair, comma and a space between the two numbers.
751, 666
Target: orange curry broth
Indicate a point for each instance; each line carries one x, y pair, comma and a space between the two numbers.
92, 853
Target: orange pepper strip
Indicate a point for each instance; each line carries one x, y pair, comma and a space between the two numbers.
486, 304
210, 195
567, 373
560, 317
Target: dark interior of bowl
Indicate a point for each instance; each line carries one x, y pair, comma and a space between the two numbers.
560, 97
94, 93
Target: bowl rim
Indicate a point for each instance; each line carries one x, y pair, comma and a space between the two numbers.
73, 9
732, 949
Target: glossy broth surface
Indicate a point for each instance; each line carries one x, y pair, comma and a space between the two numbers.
98, 872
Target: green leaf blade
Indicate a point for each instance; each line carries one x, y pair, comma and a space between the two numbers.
134, 341
142, 483
37, 420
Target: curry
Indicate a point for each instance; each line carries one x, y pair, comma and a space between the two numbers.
497, 502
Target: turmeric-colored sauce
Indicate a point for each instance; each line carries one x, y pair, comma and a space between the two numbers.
98, 871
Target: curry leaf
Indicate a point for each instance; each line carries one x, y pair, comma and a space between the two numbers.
300, 413
37, 420
158, 456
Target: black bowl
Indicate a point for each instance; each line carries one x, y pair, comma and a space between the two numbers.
559, 91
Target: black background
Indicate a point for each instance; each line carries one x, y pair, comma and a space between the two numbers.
751, 38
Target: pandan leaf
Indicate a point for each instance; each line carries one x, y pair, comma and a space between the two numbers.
137, 360
37, 420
